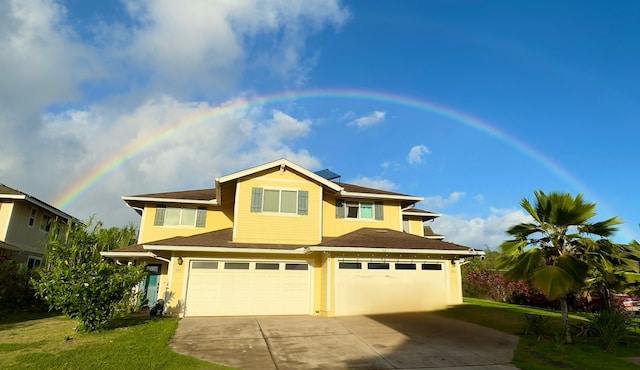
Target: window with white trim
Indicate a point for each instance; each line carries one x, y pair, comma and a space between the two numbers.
32, 217
180, 216
45, 222
354, 209
279, 201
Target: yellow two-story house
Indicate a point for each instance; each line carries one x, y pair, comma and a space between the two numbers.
278, 239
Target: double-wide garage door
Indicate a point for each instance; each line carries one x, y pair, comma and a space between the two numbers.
234, 288
379, 286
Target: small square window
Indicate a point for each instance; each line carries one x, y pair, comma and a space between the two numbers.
288, 201
352, 210
271, 201
32, 217
366, 210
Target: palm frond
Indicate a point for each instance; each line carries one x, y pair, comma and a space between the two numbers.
552, 281
521, 266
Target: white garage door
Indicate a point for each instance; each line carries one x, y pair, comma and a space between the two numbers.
235, 288
375, 287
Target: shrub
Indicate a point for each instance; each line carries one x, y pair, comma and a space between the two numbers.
610, 326
91, 292
536, 325
77, 282
15, 291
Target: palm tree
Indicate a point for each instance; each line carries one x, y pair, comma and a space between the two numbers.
556, 250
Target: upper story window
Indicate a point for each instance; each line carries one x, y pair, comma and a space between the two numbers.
359, 210
180, 216
32, 217
280, 201
45, 222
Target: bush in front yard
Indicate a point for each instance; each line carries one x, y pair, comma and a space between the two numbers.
77, 282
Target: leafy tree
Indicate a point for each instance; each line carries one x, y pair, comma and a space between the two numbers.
557, 249
76, 281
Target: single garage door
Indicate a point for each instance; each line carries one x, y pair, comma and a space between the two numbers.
375, 287
235, 288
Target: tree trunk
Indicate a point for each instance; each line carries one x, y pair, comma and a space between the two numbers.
565, 319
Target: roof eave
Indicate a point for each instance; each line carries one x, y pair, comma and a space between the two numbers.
350, 194
127, 199
182, 248
459, 252
115, 254
422, 214
276, 163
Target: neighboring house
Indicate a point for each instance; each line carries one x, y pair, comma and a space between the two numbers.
278, 239
24, 224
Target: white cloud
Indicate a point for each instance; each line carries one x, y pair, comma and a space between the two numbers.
368, 120
41, 61
479, 232
197, 43
416, 153
75, 143
376, 183
438, 202
192, 49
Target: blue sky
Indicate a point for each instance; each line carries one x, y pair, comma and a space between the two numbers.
470, 104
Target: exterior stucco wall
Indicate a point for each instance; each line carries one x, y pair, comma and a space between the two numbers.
19, 233
333, 226
415, 225
269, 227
217, 218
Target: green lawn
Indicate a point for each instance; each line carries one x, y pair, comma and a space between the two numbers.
548, 352
29, 341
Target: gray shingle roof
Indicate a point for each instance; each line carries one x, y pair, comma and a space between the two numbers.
361, 238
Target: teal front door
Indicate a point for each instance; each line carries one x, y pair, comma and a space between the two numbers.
152, 289
151, 285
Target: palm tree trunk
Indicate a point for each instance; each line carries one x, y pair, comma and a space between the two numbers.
565, 319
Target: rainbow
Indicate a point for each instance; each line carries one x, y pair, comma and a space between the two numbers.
110, 164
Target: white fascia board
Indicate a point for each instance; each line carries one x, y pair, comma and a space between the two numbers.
421, 214
127, 254
12, 196
349, 194
435, 237
279, 162
212, 202
37, 202
470, 252
179, 248
51, 209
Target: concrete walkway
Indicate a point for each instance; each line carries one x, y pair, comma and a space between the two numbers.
398, 341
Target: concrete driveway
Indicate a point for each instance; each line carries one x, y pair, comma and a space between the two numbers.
397, 341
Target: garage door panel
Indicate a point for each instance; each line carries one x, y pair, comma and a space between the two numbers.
374, 291
236, 292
